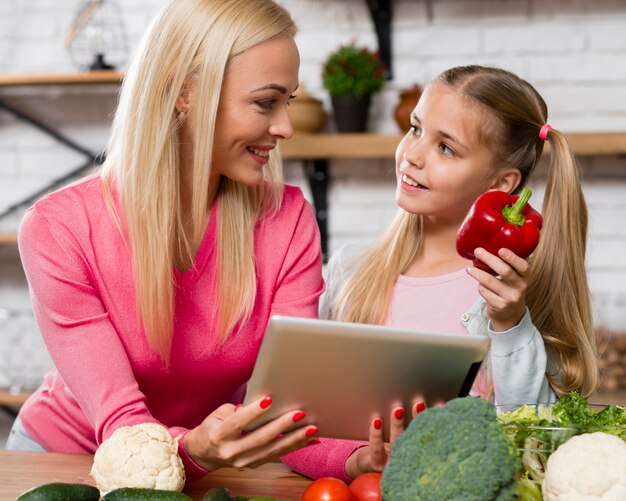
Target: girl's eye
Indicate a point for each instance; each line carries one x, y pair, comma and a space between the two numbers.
415, 130
266, 104
447, 151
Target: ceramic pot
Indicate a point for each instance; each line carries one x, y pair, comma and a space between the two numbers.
408, 100
306, 113
351, 112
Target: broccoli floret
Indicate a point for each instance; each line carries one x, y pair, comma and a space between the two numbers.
454, 452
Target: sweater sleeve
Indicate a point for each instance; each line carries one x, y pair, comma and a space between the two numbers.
519, 364
326, 459
300, 283
75, 325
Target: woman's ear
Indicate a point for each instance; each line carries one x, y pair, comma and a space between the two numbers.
506, 180
183, 101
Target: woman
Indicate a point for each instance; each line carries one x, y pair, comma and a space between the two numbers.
153, 282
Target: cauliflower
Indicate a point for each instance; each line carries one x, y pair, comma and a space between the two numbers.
589, 466
143, 455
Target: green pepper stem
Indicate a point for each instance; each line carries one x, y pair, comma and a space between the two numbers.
513, 213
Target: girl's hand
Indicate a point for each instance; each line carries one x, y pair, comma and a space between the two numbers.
375, 456
505, 294
221, 440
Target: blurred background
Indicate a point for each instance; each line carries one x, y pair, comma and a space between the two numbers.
573, 51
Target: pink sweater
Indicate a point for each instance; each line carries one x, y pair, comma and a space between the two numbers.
107, 376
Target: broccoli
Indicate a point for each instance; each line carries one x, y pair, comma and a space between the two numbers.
454, 452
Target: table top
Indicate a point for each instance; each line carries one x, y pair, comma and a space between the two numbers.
20, 471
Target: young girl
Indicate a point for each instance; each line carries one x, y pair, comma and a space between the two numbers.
477, 129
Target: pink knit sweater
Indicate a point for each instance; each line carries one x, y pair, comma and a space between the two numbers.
107, 376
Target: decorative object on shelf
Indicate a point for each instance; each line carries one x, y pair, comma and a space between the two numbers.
408, 100
351, 75
306, 112
96, 39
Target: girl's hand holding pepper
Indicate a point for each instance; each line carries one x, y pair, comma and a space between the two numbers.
505, 294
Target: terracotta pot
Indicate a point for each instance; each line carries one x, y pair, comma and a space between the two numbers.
351, 112
306, 113
408, 100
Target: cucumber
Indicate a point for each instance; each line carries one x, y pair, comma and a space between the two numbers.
224, 494
58, 491
219, 494
137, 494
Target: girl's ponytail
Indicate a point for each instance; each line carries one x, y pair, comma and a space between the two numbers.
558, 293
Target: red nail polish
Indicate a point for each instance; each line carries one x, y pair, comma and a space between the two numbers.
312, 431
419, 407
399, 413
314, 442
298, 416
266, 402
378, 423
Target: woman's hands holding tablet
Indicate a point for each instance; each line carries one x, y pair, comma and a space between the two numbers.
375, 456
220, 440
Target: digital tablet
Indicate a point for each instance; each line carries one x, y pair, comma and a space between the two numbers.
343, 374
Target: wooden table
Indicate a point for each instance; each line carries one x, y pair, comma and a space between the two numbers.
20, 471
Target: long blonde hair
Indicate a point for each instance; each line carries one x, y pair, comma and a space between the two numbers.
558, 295
187, 39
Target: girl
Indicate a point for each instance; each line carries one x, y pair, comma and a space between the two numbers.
477, 129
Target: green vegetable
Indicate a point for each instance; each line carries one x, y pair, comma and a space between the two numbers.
224, 494
137, 494
219, 494
538, 431
58, 491
458, 451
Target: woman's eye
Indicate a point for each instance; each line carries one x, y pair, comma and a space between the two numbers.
447, 151
266, 104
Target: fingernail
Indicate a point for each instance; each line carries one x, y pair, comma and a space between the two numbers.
298, 416
266, 402
478, 251
378, 423
399, 413
312, 431
419, 407
237, 407
314, 442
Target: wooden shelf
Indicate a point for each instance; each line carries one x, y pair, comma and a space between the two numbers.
9, 399
8, 239
376, 146
87, 77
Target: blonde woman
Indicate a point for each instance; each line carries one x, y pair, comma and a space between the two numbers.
477, 129
153, 282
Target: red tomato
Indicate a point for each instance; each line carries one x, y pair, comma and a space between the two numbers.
327, 489
366, 487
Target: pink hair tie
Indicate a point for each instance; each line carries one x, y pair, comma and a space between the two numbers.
543, 132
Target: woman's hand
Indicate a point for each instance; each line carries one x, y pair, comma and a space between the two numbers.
375, 456
221, 439
505, 294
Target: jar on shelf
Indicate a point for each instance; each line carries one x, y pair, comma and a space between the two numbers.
402, 111
306, 112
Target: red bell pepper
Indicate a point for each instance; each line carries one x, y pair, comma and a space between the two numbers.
498, 220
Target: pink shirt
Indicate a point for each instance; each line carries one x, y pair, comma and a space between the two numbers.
107, 376
432, 303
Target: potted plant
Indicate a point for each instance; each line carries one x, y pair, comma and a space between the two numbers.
351, 75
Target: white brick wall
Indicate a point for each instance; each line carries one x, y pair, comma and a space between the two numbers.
574, 51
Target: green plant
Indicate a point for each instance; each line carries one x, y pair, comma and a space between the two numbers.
352, 70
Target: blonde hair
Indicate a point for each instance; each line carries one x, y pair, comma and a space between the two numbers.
188, 39
563, 316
